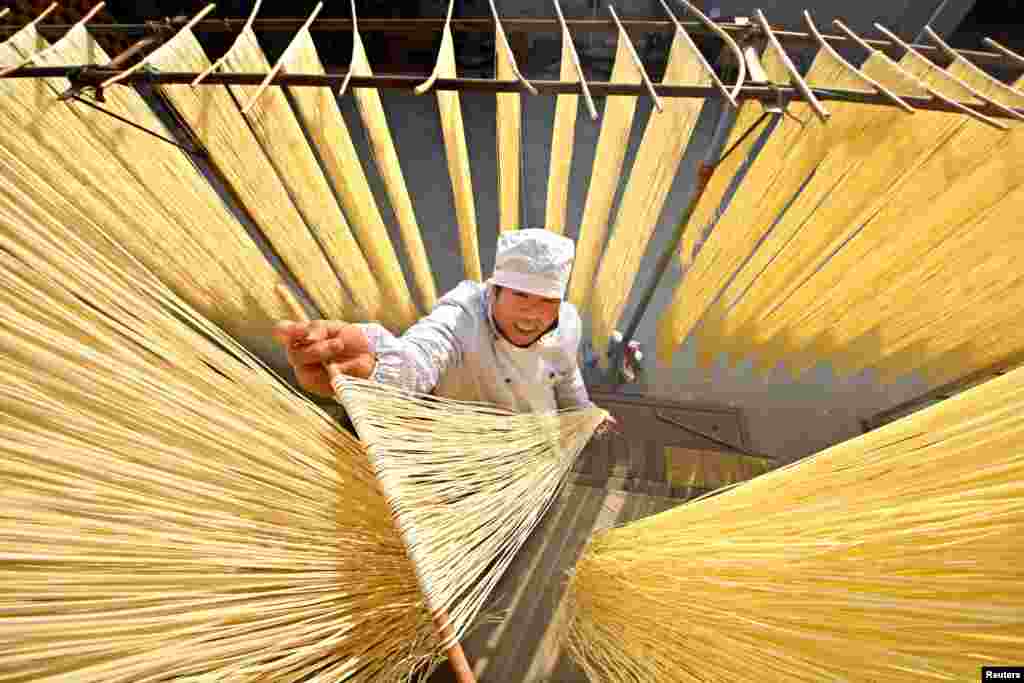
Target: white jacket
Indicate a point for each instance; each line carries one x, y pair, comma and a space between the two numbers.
457, 352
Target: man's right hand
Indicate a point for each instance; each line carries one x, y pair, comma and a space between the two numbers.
311, 345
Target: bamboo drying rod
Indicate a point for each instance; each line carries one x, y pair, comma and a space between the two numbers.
457, 658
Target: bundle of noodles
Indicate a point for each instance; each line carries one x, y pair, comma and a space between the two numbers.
889, 555
172, 509
145, 192
454, 473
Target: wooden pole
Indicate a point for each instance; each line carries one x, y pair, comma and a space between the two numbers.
457, 658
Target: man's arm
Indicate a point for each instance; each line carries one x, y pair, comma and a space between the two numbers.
571, 392
417, 360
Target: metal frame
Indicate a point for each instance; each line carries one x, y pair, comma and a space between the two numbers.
93, 76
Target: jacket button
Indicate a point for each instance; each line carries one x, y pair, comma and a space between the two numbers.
508, 380
551, 376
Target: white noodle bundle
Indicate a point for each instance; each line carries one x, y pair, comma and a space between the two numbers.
467, 482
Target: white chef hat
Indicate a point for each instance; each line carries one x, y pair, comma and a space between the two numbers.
534, 260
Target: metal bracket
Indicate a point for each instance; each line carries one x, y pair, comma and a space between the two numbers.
81, 81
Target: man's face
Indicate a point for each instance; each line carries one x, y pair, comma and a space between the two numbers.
523, 317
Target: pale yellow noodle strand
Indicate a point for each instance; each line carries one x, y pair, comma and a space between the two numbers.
318, 109
785, 160
964, 179
169, 495
938, 170
616, 123
212, 115
227, 278
457, 153
463, 521
847, 142
661, 150
509, 139
888, 554
280, 135
385, 156
562, 141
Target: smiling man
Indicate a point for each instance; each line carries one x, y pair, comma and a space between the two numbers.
511, 341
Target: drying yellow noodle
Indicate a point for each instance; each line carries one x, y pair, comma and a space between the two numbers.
52, 150
562, 138
706, 211
280, 136
661, 150
988, 307
909, 144
318, 109
984, 351
458, 154
833, 151
1000, 151
509, 137
175, 510
982, 257
888, 555
171, 508
977, 167
972, 146
386, 157
709, 208
220, 270
213, 117
616, 123
735, 232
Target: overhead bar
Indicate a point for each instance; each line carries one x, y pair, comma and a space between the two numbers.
89, 74
518, 25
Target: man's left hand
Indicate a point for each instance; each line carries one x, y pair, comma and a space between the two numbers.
609, 426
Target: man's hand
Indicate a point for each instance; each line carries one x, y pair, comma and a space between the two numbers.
311, 345
609, 426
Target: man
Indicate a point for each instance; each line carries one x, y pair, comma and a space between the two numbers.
511, 342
